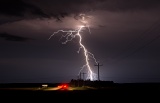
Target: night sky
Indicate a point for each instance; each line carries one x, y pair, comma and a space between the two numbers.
125, 38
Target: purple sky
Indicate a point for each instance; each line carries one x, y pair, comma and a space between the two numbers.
125, 38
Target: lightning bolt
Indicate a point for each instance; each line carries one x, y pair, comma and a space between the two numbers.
70, 35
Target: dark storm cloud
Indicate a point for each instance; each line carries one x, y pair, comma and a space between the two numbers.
128, 5
62, 8
74, 6
10, 37
18, 8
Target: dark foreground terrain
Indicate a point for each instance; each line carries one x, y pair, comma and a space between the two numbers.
117, 92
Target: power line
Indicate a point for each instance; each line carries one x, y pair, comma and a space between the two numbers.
140, 48
139, 39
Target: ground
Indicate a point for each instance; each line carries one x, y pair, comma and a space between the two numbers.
120, 92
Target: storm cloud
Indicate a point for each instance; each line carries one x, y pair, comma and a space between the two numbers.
22, 9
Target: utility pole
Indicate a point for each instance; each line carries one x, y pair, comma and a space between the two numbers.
80, 75
83, 75
83, 79
98, 69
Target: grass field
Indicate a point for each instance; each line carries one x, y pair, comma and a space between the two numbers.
121, 92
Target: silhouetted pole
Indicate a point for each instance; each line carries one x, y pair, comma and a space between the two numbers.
98, 70
83, 75
80, 75
83, 79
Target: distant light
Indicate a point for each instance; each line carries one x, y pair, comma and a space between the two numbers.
44, 85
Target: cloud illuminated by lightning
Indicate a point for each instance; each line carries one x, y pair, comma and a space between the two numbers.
70, 35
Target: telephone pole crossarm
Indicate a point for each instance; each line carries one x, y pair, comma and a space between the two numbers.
98, 69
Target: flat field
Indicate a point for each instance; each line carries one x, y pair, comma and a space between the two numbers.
51, 92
